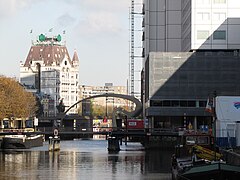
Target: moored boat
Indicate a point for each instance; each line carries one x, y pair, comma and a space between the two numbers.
198, 160
21, 141
213, 171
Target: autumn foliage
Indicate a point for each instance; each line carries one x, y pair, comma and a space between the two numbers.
15, 101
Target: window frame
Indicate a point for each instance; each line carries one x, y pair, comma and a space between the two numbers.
217, 33
203, 31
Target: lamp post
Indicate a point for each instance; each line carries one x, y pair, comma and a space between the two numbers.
214, 124
106, 102
184, 121
106, 106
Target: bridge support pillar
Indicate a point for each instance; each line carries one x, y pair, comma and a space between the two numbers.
121, 141
113, 144
54, 143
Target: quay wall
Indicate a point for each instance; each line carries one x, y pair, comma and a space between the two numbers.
160, 142
231, 157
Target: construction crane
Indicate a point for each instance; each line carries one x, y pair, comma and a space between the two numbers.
134, 14
132, 45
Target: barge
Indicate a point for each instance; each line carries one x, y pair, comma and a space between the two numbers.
21, 141
197, 159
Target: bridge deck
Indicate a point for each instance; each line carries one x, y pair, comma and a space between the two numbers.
119, 132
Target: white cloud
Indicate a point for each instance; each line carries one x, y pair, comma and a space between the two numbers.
101, 17
104, 5
107, 5
10, 7
99, 23
65, 20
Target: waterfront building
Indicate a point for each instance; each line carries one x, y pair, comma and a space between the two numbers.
188, 25
190, 49
47, 106
49, 69
88, 91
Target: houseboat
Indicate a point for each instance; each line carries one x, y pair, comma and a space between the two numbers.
21, 141
199, 159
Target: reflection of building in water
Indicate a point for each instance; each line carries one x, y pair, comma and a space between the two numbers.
20, 164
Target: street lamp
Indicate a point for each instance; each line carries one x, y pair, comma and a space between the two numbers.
106, 106
184, 121
106, 101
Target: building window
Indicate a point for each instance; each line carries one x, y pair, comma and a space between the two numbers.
203, 16
203, 35
219, 16
202, 2
219, 35
176, 103
219, 1
202, 103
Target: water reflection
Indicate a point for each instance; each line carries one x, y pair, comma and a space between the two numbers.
84, 160
158, 161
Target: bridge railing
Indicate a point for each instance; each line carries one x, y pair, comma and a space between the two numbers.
49, 130
16, 130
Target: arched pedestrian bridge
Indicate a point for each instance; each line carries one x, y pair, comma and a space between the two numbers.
137, 111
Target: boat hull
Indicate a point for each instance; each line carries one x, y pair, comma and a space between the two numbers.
22, 142
211, 172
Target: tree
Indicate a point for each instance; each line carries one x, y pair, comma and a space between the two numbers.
15, 101
98, 110
61, 106
39, 107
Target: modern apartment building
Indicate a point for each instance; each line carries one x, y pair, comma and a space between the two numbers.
88, 91
190, 49
49, 69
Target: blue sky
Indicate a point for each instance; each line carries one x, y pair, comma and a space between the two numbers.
97, 29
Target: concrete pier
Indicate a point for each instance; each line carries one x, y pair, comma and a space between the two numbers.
54, 143
113, 144
231, 157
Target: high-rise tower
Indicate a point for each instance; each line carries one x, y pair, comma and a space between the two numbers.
191, 49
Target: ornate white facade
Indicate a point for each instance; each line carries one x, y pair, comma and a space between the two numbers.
50, 70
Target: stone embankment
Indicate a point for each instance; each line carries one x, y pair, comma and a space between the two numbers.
232, 156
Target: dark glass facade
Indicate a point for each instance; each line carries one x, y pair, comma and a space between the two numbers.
177, 85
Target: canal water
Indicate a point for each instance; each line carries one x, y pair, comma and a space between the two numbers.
85, 159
